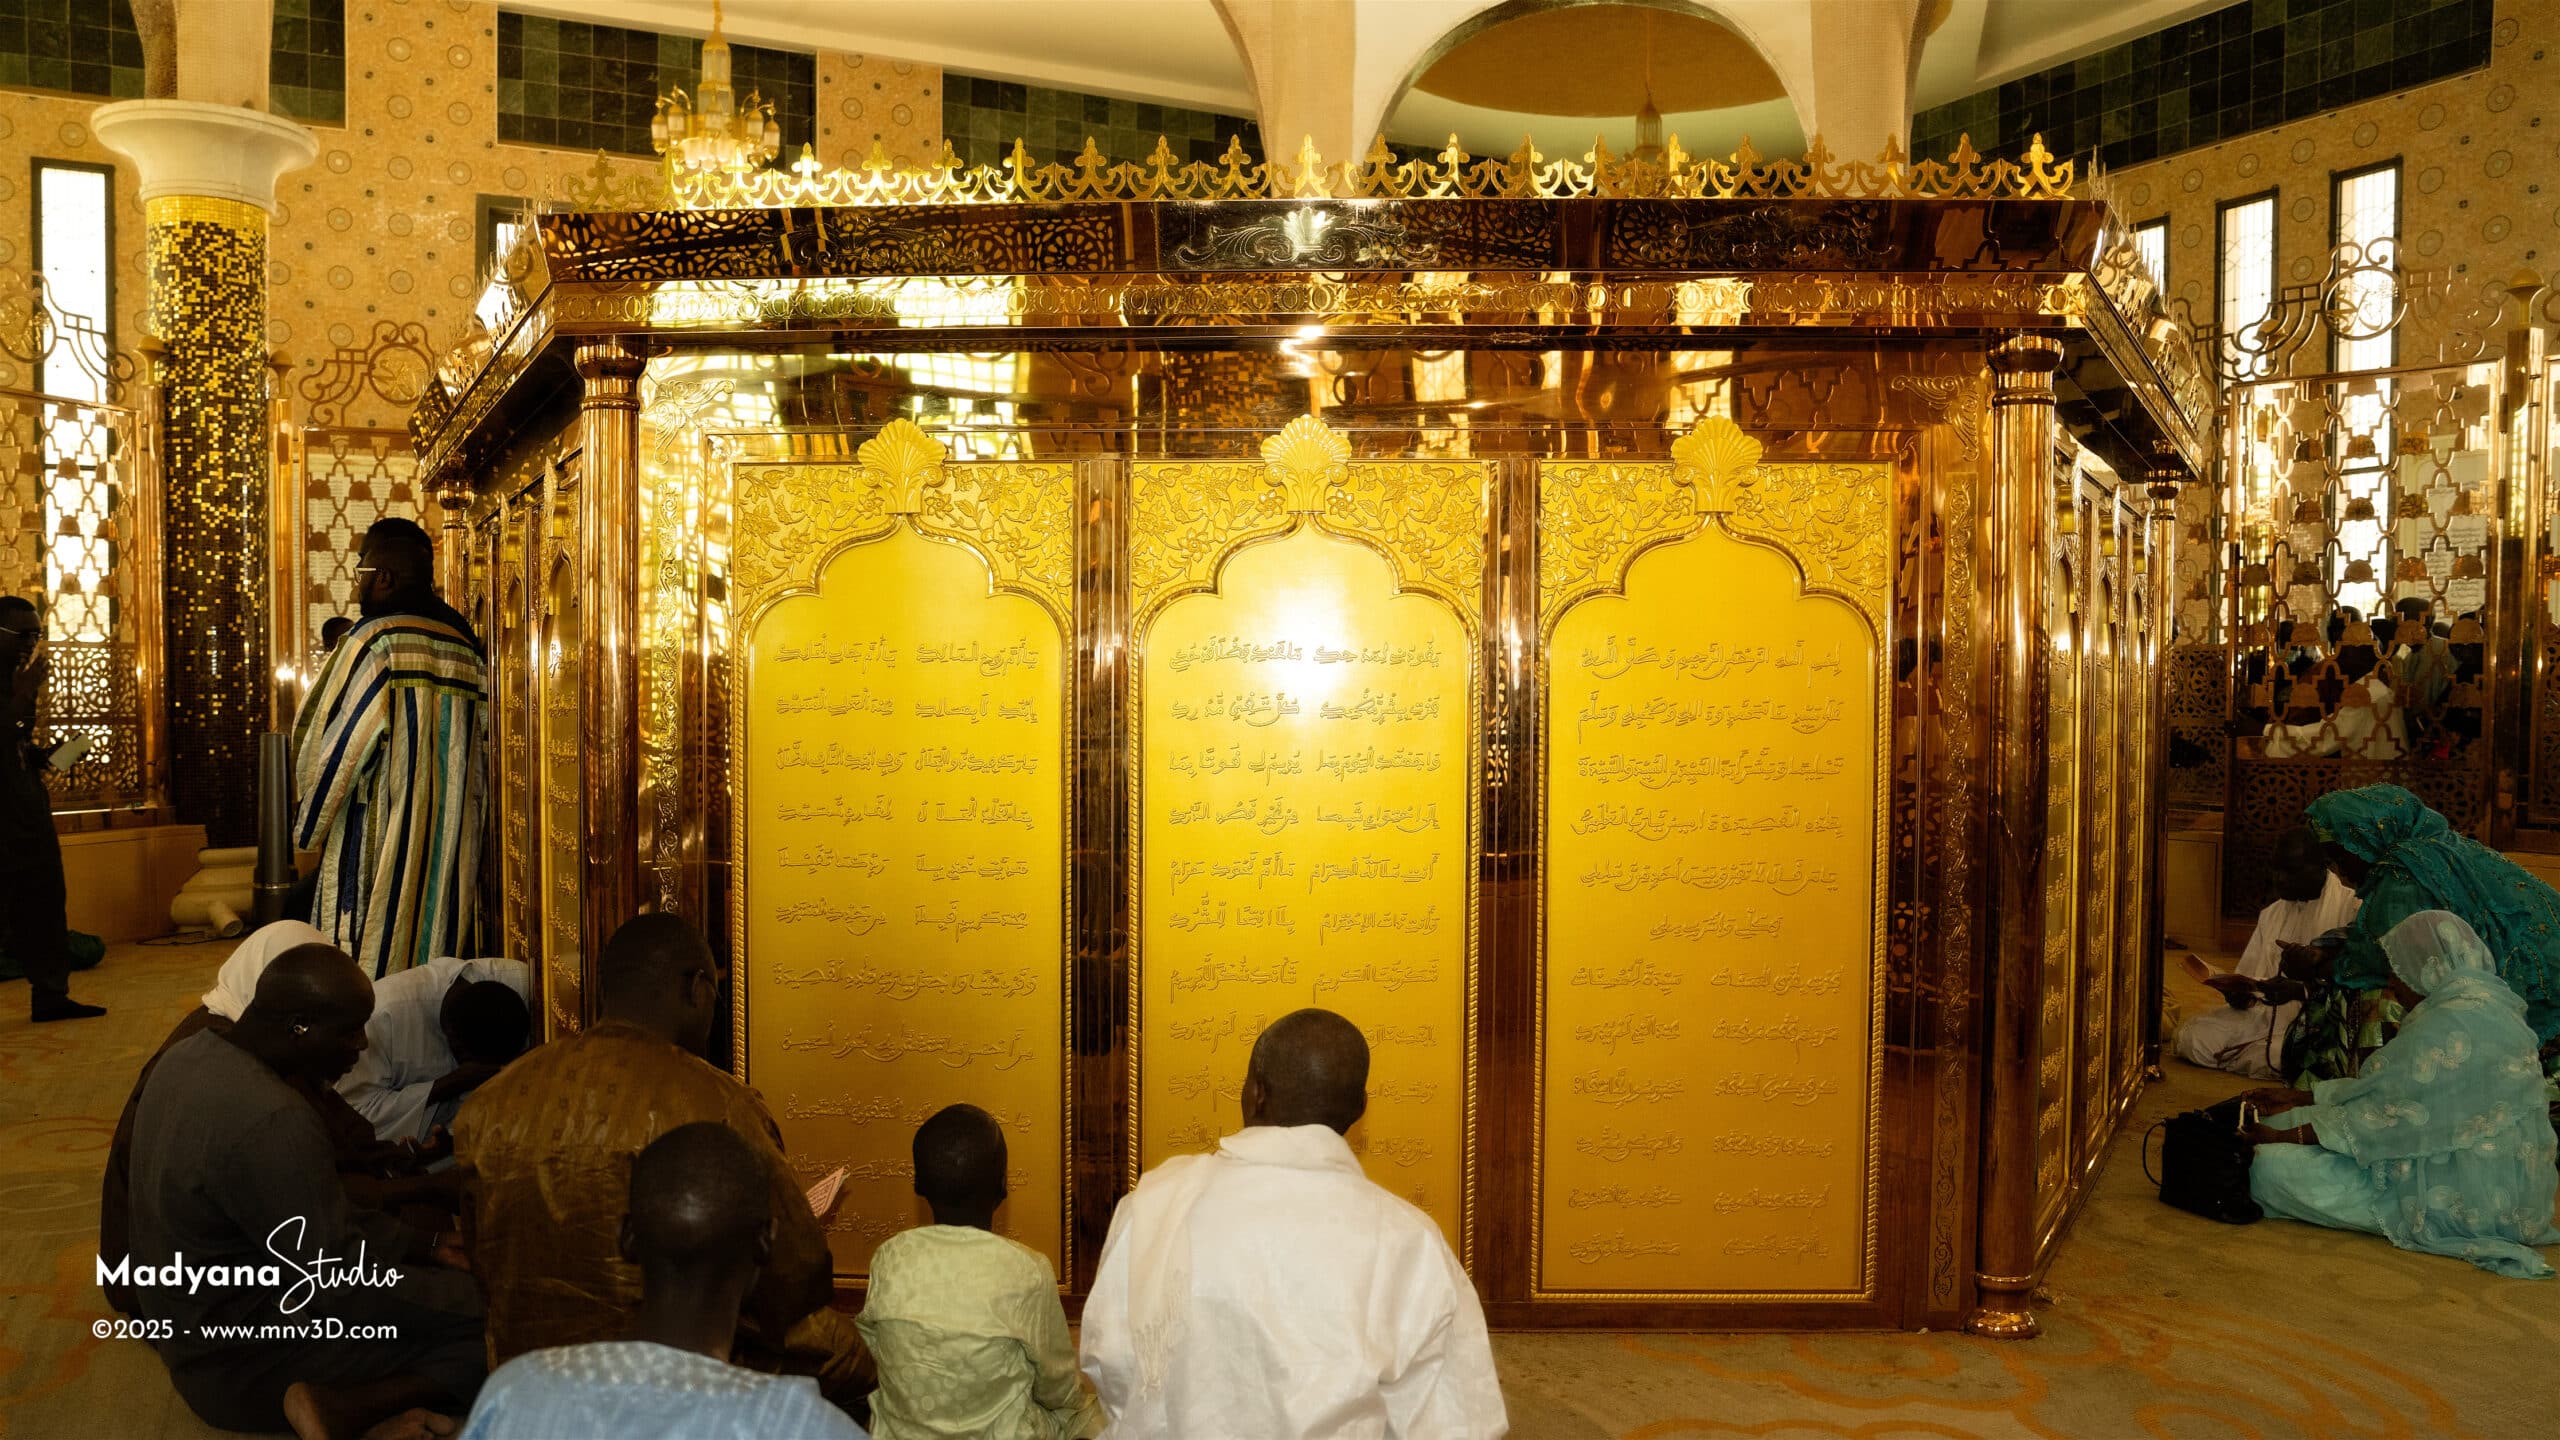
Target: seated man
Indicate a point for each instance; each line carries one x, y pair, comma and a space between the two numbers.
439, 1031
699, 1225
546, 1150
963, 1323
1270, 1289
232, 1169
2247, 1035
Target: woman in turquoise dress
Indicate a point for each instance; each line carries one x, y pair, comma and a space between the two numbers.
2402, 858
2443, 1143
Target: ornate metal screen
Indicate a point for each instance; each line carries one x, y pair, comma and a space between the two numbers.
77, 497
352, 465
2370, 520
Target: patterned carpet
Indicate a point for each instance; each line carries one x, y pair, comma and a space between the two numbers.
2159, 1325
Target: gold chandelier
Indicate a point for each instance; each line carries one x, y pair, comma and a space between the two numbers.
710, 133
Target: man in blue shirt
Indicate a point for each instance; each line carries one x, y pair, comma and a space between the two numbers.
699, 1228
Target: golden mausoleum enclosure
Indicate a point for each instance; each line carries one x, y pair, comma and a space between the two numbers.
1670, 648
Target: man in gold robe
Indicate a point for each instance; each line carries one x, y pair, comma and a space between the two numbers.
546, 1149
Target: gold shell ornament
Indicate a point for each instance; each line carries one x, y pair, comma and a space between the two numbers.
1306, 458
1715, 460
903, 460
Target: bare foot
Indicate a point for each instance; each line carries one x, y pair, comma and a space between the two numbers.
413, 1425
305, 1411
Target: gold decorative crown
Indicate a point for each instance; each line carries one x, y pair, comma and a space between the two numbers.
904, 460
1237, 174
1306, 458
1715, 460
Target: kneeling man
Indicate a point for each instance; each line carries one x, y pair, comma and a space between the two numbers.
1270, 1289
233, 1177
2246, 1034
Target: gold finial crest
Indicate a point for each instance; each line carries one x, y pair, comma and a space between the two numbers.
1307, 458
1715, 460
903, 460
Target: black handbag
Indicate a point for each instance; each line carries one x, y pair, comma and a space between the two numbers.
2204, 1164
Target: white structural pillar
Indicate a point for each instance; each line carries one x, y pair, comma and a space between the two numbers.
1299, 56
208, 178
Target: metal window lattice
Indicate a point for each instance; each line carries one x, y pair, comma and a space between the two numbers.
2356, 493
352, 479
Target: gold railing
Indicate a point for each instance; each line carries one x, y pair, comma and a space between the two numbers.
79, 491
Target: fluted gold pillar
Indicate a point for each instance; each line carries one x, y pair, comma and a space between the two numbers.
208, 177
2021, 501
2161, 555
609, 602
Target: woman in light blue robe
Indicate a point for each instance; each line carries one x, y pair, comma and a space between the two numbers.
2443, 1141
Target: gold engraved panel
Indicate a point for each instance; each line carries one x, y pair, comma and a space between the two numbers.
1711, 964
901, 743
560, 772
1305, 827
2061, 892
2092, 986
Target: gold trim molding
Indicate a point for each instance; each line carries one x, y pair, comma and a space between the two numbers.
1526, 173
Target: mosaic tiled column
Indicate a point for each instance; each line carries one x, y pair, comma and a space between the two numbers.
208, 176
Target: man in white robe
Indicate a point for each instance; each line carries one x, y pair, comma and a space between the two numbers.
2246, 1035
1271, 1290
433, 1039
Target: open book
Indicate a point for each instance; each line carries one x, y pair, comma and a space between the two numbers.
2202, 969
822, 1196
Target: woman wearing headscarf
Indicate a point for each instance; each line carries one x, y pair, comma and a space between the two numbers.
2403, 858
361, 1157
2443, 1143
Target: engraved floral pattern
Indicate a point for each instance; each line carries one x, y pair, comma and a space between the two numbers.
1428, 517
1595, 517
1186, 515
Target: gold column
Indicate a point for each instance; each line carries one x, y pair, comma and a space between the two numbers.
286, 632
609, 608
452, 495
2162, 556
2013, 556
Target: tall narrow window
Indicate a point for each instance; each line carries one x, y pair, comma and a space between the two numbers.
502, 221
75, 245
2151, 242
2364, 335
2366, 207
2245, 248
75, 253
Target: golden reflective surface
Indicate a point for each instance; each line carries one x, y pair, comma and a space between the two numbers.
1305, 836
1710, 999
904, 731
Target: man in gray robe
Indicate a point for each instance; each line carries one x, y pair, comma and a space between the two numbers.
239, 1219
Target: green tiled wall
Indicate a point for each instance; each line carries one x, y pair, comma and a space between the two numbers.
307, 75
2241, 68
90, 47
981, 118
83, 47
595, 87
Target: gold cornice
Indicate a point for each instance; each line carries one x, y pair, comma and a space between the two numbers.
1452, 174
